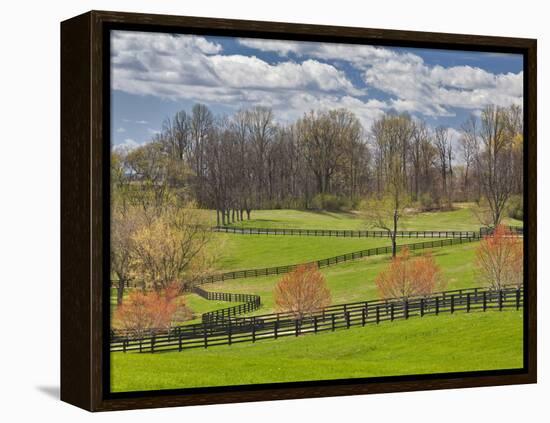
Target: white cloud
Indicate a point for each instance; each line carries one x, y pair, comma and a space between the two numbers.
306, 76
120, 130
413, 85
127, 144
434, 91
186, 67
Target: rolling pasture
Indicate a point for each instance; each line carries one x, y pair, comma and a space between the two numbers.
447, 343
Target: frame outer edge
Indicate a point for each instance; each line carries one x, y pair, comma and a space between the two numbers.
82, 225
530, 164
76, 301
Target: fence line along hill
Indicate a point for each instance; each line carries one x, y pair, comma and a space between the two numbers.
330, 261
228, 330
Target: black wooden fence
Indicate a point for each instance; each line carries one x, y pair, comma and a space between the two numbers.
488, 230
343, 316
250, 302
331, 261
452, 238
345, 233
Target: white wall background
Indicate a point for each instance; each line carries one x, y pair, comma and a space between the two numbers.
29, 209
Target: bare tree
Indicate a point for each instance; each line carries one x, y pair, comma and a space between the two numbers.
322, 136
262, 129
469, 144
495, 160
442, 144
420, 138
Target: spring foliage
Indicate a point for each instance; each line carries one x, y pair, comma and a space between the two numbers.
408, 277
142, 312
302, 292
499, 259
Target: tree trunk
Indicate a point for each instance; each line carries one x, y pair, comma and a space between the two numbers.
394, 235
120, 291
248, 214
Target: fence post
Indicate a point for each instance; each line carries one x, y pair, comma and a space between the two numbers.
421, 307
363, 317
333, 323
297, 327
229, 333
347, 319
253, 331
276, 327
436, 306
452, 304
500, 295
406, 309
315, 324
377, 314
205, 338
484, 300
517, 298
468, 302
153, 344
391, 312
179, 342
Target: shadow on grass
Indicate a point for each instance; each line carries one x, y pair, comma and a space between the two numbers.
340, 214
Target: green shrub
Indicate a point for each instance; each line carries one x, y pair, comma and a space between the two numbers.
330, 202
515, 207
428, 203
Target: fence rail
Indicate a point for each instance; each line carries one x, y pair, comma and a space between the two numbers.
345, 233
250, 302
458, 238
343, 316
331, 261
488, 230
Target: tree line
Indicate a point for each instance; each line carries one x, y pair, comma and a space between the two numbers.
326, 159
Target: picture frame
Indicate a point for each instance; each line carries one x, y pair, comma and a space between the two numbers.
85, 207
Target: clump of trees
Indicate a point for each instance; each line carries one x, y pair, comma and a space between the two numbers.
499, 259
302, 292
408, 277
158, 235
143, 312
497, 151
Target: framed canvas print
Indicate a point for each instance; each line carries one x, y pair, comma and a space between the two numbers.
256, 211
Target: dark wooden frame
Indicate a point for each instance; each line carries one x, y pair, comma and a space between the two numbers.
84, 203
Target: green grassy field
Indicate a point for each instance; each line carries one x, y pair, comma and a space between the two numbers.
460, 219
254, 251
354, 281
447, 343
461, 342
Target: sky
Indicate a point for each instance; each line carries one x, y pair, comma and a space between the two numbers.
154, 75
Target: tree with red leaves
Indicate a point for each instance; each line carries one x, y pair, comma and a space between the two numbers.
499, 259
142, 312
302, 292
406, 277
